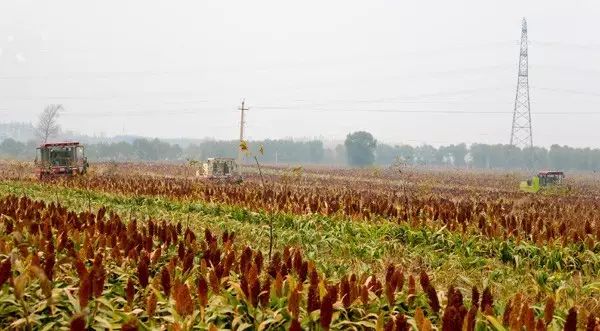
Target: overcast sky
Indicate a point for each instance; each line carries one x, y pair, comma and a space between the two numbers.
407, 71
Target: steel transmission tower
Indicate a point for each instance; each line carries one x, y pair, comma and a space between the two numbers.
521, 135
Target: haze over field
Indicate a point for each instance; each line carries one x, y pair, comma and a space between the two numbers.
307, 69
388, 176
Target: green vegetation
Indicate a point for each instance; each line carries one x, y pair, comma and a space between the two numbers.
360, 148
339, 245
482, 156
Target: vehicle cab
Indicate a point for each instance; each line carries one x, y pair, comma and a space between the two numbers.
544, 179
61, 158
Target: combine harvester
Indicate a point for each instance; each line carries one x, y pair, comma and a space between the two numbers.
545, 182
220, 169
60, 159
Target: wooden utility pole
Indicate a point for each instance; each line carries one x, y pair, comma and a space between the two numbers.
242, 123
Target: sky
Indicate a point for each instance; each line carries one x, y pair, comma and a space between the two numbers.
437, 72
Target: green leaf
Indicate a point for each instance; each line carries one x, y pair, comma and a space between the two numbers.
16, 324
495, 323
48, 326
244, 326
265, 324
74, 302
105, 303
103, 322
365, 324
591, 287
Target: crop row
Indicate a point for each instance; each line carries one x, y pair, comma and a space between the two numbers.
540, 219
63, 269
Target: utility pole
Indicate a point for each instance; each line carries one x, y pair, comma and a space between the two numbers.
521, 134
242, 123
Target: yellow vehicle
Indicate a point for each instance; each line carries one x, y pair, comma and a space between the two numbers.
544, 181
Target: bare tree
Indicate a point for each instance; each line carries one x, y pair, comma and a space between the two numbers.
48, 122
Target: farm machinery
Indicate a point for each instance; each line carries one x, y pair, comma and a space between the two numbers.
545, 181
60, 159
220, 169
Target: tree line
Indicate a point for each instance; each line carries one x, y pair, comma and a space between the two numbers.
142, 149
485, 156
359, 149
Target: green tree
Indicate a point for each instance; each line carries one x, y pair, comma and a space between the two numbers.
558, 157
316, 151
425, 155
360, 148
11, 147
458, 154
480, 155
406, 153
340, 154
386, 154
144, 149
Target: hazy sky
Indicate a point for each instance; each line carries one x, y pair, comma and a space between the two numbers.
398, 69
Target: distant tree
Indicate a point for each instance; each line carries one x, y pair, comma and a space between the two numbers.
513, 157
386, 154
561, 157
480, 155
340, 154
360, 148
11, 147
47, 126
442, 155
316, 151
540, 157
145, 150
425, 154
194, 151
406, 153
458, 153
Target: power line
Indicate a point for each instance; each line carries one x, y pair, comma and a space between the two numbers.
417, 98
373, 110
100, 97
570, 46
196, 112
424, 111
570, 91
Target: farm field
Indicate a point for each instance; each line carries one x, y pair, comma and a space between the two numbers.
149, 246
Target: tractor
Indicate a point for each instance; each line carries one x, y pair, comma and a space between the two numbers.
60, 159
220, 169
546, 181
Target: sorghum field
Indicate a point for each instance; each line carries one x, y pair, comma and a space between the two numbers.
150, 247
